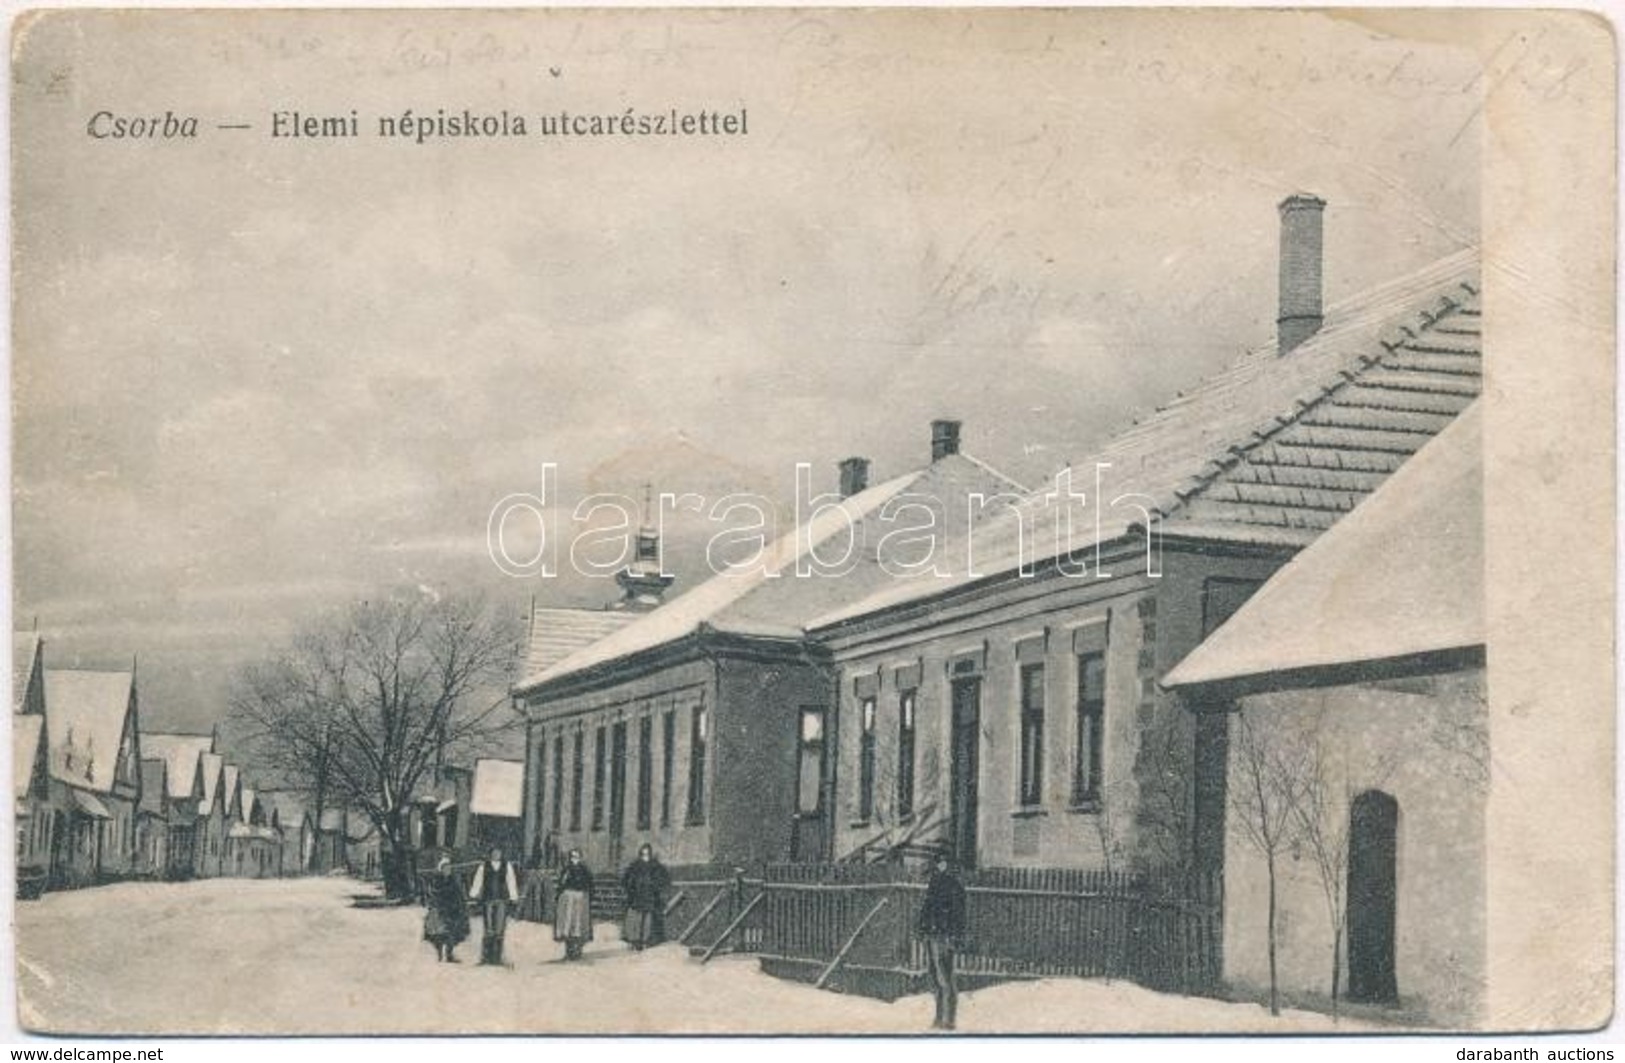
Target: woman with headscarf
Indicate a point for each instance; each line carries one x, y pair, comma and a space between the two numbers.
445, 924
645, 882
572, 916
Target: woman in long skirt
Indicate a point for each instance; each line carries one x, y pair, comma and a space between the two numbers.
445, 924
645, 883
572, 917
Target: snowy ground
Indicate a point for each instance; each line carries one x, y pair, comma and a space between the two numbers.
233, 956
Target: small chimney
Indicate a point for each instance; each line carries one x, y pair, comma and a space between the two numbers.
1300, 312
944, 439
854, 476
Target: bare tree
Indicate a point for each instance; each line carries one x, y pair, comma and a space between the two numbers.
1320, 810
361, 705
1263, 797
1163, 770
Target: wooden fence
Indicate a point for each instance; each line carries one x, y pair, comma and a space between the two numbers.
851, 927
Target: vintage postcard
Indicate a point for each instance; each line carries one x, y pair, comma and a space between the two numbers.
812, 521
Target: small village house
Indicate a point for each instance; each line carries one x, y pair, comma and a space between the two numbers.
496, 806
439, 819
1356, 676
41, 802
290, 818
685, 726
1013, 712
92, 729
256, 847
331, 851
211, 817
152, 820
348, 841
232, 855
35, 816
183, 772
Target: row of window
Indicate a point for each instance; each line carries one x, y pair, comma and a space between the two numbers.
1088, 734
609, 776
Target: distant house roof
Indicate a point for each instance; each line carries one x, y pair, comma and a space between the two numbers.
87, 803
25, 656
85, 720
182, 755
212, 765
154, 785
26, 732
1403, 576
557, 633
289, 807
231, 779
755, 601
249, 797
499, 787
1271, 451
333, 819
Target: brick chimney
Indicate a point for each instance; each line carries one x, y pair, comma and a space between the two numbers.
1299, 315
854, 476
944, 439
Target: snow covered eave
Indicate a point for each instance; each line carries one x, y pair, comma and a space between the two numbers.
1217, 695
705, 641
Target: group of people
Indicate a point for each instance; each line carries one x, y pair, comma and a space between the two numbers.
939, 924
494, 889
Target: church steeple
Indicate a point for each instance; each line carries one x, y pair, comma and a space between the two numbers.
642, 582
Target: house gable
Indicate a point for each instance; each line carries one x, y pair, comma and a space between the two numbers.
27, 674
127, 772
91, 726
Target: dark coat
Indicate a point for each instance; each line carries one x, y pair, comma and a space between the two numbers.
576, 877
646, 883
447, 918
942, 911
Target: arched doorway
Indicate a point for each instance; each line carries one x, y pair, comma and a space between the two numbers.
1373, 835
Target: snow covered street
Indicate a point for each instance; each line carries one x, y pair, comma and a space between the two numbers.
294, 956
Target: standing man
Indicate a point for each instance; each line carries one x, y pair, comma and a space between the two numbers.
940, 925
495, 888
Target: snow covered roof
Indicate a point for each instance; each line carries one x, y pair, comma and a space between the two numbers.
1271, 451
182, 753
231, 779
85, 720
154, 783
25, 656
86, 802
212, 766
557, 633
25, 739
499, 787
289, 807
249, 797
754, 600
1402, 576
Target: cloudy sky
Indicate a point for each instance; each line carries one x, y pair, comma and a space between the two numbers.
253, 377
